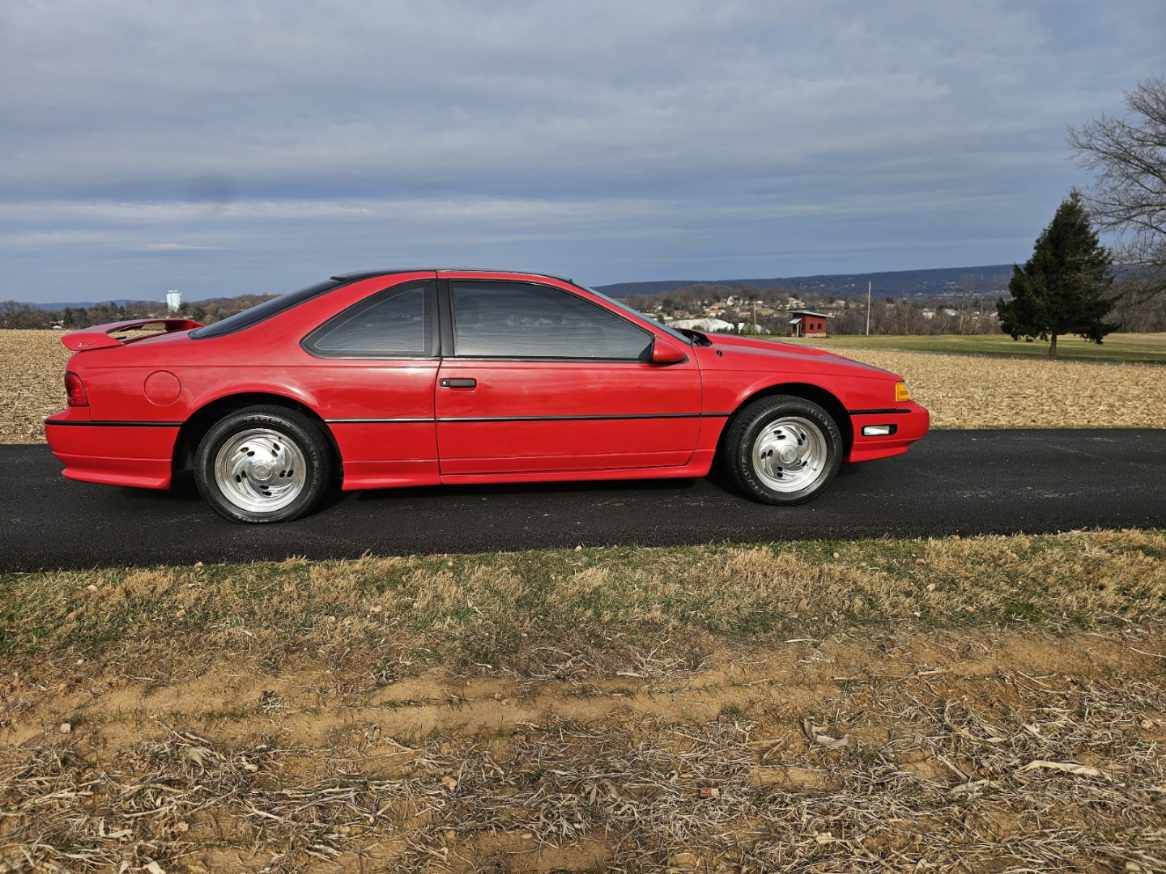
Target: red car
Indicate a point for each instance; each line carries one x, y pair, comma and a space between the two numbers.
425, 377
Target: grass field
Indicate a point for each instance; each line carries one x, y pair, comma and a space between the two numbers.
1129, 348
991, 703
962, 391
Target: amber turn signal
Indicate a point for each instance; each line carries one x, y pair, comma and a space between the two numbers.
901, 393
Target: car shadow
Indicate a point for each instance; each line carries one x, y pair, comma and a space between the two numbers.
716, 485
182, 491
596, 487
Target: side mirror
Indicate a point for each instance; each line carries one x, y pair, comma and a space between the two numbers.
666, 352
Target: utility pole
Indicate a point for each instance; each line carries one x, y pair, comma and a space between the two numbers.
868, 308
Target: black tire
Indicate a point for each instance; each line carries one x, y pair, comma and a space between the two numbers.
749, 423
293, 426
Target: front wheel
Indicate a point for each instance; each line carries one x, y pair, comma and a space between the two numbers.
783, 449
263, 464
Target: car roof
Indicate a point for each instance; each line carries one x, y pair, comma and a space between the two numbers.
368, 274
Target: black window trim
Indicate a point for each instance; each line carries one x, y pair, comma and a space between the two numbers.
445, 315
372, 300
643, 358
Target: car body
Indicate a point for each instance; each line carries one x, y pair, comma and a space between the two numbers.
436, 376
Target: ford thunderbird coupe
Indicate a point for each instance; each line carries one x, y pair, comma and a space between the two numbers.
426, 377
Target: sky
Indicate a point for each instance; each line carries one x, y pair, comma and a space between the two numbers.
246, 146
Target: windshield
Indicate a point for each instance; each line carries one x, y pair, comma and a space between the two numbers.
670, 331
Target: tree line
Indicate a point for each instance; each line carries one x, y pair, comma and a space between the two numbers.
14, 314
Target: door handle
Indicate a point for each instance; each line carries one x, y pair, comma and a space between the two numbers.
459, 382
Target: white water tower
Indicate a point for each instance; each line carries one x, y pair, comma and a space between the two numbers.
173, 300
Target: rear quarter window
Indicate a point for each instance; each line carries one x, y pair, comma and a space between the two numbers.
260, 312
399, 322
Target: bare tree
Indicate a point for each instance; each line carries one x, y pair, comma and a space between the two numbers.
1129, 196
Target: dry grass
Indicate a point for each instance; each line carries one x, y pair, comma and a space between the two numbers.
994, 703
921, 752
519, 610
32, 364
947, 785
962, 391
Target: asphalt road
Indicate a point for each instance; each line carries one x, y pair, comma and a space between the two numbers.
953, 482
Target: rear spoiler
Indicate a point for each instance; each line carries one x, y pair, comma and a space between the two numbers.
101, 336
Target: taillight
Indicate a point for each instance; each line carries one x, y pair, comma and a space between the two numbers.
75, 390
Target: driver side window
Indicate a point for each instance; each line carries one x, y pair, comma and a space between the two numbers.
494, 319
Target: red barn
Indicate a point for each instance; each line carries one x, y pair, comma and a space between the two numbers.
808, 324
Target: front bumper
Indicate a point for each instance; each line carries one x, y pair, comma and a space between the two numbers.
136, 454
908, 422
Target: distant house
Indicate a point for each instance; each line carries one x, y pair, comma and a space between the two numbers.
709, 326
808, 324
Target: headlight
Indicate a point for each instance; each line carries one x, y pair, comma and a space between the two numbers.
901, 393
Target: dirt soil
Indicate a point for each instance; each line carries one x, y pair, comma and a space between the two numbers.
979, 391
962, 391
981, 750
32, 368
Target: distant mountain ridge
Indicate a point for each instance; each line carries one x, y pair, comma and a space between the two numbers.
932, 282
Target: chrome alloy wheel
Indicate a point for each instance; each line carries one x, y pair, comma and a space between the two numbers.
790, 453
260, 470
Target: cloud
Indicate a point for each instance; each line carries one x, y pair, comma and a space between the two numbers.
612, 140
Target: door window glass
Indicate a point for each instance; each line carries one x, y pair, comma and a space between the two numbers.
524, 320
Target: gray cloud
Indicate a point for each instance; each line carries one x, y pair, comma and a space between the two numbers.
225, 147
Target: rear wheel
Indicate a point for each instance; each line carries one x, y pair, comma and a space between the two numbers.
783, 449
263, 464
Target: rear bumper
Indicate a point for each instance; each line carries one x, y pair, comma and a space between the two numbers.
136, 454
908, 422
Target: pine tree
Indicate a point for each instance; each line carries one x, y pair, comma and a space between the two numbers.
1063, 288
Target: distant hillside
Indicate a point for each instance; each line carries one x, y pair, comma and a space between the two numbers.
938, 282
